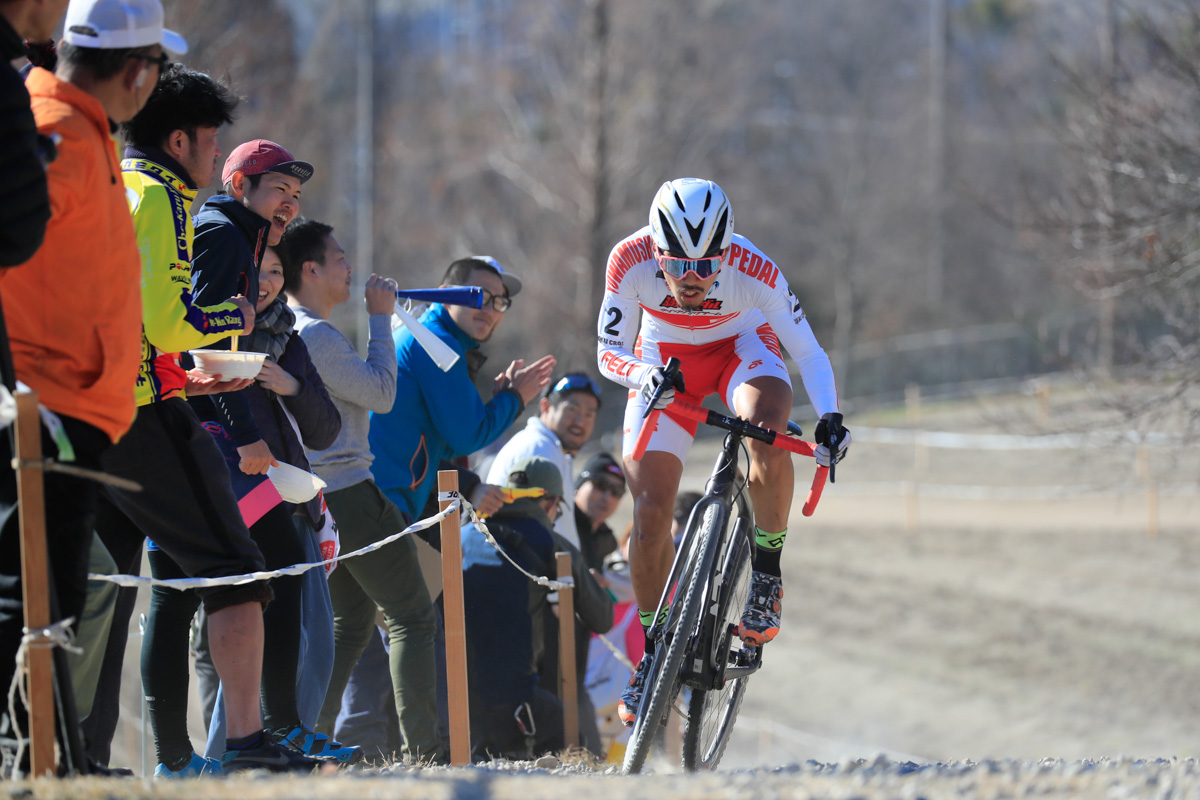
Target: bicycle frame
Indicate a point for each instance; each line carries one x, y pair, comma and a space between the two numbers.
693, 634
720, 488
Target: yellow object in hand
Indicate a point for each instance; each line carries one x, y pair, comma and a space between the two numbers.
516, 494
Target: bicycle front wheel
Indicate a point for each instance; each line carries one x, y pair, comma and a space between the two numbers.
711, 714
663, 682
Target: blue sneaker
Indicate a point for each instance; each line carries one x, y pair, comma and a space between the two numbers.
269, 756
198, 767
318, 745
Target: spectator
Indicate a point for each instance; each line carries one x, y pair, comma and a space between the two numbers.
598, 492
24, 199
75, 341
260, 195
566, 417
440, 414
293, 410
187, 506
317, 278
512, 716
684, 503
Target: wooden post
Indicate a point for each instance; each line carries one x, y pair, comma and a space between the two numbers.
1043, 402
35, 584
1146, 474
456, 627
912, 403
911, 506
1152, 510
566, 653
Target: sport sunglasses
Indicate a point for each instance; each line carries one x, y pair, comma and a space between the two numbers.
575, 382
677, 268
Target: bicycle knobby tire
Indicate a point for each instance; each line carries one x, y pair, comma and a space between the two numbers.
711, 714
663, 682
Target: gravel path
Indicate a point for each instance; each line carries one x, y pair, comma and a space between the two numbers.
866, 779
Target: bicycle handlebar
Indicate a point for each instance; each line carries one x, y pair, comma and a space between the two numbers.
738, 425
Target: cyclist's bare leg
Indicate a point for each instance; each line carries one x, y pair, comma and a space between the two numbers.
653, 482
767, 402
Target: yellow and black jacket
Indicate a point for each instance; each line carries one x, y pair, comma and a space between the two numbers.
171, 322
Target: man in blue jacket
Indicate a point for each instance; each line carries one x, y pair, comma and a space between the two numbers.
439, 415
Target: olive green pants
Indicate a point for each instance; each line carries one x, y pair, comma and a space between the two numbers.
388, 579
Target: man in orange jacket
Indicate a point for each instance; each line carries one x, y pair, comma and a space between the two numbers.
74, 310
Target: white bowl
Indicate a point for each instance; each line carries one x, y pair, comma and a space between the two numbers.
294, 484
227, 364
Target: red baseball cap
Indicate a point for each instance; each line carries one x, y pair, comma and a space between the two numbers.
259, 156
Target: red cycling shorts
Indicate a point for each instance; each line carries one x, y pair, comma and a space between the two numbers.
716, 368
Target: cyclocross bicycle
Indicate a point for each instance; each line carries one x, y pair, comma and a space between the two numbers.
696, 644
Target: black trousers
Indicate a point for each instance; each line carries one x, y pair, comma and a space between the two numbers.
70, 517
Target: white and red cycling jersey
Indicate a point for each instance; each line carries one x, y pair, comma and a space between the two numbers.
734, 336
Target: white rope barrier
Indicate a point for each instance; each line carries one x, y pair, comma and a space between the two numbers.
58, 634
1001, 441
457, 503
946, 491
616, 651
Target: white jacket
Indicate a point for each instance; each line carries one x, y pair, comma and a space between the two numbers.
538, 440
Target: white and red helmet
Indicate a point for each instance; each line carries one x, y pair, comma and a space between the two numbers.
691, 218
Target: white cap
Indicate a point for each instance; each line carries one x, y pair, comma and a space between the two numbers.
119, 25
512, 284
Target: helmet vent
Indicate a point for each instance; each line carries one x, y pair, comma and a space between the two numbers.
707, 200
714, 249
694, 232
674, 247
679, 202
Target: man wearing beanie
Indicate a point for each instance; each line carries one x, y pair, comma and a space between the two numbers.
598, 491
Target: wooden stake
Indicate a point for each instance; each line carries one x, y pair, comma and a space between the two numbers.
1043, 403
912, 403
456, 628
566, 653
911, 505
35, 584
1152, 510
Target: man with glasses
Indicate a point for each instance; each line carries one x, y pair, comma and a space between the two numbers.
566, 417
598, 492
713, 300
439, 415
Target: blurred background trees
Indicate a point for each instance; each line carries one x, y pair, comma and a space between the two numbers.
956, 190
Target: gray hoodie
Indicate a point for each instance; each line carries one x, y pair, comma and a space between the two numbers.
357, 387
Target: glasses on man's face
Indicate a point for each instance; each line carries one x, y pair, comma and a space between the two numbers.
613, 488
678, 268
499, 302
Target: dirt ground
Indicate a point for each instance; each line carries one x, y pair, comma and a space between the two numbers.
1053, 616
963, 605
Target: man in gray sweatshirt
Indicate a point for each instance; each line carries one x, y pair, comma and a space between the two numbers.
317, 278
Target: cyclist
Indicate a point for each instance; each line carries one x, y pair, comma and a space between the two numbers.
713, 300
